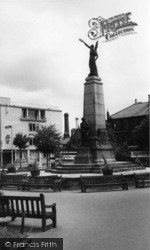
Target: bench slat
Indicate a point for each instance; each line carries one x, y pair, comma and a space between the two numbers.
38, 206
32, 206
27, 206
17, 205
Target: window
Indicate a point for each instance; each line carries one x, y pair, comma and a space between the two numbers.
126, 124
114, 126
33, 114
32, 126
31, 141
24, 113
24, 155
42, 116
34, 155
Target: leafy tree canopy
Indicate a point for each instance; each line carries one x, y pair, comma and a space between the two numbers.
141, 134
20, 141
47, 139
121, 152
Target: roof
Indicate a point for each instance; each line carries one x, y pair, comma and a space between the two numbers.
137, 109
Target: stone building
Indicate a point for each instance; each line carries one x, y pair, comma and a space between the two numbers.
124, 122
26, 120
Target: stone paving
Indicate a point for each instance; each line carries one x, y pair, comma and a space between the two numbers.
108, 220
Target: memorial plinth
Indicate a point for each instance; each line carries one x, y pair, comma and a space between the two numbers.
94, 110
94, 113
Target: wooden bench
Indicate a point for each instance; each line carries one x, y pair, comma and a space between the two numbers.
130, 178
28, 207
142, 180
11, 180
54, 182
102, 181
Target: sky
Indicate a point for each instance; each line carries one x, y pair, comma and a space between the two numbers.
43, 62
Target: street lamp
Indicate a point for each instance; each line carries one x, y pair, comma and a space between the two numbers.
7, 127
1, 150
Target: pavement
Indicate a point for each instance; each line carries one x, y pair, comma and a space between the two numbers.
96, 220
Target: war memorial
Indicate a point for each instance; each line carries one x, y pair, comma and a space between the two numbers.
95, 151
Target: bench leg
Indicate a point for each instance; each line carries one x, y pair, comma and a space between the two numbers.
54, 222
143, 184
54, 219
43, 224
83, 189
22, 224
13, 218
125, 186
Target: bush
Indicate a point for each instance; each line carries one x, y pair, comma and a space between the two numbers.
121, 153
11, 168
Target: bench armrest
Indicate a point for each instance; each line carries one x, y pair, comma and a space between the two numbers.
49, 206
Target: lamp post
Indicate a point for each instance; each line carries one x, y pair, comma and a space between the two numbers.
1, 154
7, 127
1, 150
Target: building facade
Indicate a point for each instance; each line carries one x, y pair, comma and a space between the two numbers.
124, 122
26, 120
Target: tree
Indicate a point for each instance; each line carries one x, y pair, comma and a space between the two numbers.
47, 140
141, 134
121, 152
20, 141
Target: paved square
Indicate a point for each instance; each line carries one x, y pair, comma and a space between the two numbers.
109, 220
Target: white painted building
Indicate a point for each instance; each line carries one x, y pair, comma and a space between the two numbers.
23, 119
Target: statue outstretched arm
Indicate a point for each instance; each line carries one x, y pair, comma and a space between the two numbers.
84, 43
96, 45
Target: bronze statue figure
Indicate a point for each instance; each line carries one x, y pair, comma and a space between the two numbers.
93, 58
84, 129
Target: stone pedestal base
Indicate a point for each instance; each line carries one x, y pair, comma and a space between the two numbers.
103, 151
84, 156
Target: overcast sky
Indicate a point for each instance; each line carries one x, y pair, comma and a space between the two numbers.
42, 61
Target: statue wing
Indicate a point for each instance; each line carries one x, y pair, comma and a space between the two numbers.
96, 45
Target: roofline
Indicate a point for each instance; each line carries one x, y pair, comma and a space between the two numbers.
127, 108
29, 107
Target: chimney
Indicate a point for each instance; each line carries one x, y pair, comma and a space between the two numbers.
77, 123
66, 125
135, 101
149, 107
